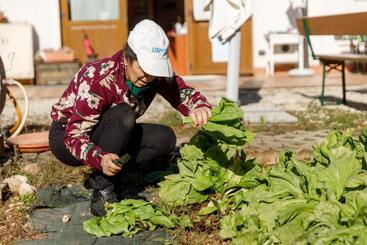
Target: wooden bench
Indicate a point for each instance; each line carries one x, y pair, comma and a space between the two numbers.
343, 24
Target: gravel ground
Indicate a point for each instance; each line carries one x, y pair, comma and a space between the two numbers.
297, 99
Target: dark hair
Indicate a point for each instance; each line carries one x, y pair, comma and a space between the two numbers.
129, 54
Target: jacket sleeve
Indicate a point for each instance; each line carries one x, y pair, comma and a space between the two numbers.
89, 104
181, 96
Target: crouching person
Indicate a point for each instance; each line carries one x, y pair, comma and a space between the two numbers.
94, 122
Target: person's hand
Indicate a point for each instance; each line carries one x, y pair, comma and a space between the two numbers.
200, 116
108, 167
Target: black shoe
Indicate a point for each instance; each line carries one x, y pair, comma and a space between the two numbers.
100, 198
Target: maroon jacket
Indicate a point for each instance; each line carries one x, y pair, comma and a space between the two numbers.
101, 85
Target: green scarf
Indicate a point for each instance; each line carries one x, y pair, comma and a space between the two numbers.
138, 92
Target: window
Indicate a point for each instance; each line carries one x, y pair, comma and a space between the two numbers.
89, 10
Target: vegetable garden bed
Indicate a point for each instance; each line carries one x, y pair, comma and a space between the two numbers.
319, 201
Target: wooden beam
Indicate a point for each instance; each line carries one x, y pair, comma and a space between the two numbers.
343, 24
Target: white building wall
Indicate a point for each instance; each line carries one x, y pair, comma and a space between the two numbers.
44, 15
270, 16
329, 7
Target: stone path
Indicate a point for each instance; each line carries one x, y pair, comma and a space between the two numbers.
265, 112
275, 100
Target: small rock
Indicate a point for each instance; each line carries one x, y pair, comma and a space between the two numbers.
13, 183
32, 168
19, 184
26, 189
65, 218
22, 178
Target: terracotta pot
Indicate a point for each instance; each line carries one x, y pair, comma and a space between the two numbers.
31, 142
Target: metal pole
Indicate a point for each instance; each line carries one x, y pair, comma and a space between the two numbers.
233, 67
305, 43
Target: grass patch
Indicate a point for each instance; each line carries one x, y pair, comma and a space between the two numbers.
55, 173
318, 117
314, 118
52, 173
28, 199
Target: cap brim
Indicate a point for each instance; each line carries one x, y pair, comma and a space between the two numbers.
156, 67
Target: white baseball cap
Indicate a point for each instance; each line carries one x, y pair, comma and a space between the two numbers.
150, 44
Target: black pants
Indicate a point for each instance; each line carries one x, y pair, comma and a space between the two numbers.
117, 132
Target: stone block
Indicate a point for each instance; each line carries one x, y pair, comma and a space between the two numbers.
56, 72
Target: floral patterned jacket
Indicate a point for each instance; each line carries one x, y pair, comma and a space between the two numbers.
101, 85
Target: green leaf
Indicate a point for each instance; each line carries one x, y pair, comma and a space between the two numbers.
186, 171
254, 176
292, 208
226, 133
92, 226
195, 196
185, 221
308, 180
144, 212
343, 165
191, 153
282, 179
324, 214
136, 215
202, 179
209, 209
355, 209
226, 111
357, 180
162, 220
174, 192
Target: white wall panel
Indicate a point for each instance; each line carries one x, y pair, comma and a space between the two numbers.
44, 15
16, 50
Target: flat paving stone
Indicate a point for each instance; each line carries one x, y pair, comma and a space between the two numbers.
261, 112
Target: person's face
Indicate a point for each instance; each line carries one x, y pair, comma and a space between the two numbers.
136, 75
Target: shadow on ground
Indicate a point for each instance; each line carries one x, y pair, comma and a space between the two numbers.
333, 100
249, 96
